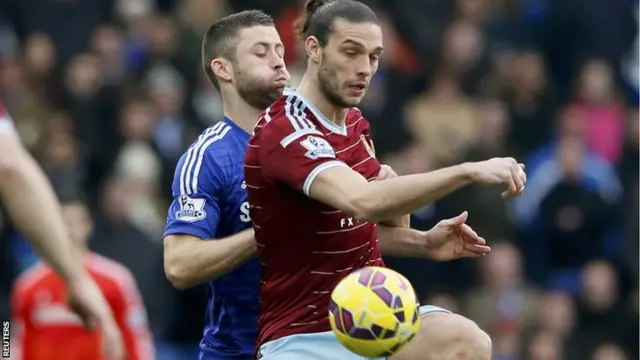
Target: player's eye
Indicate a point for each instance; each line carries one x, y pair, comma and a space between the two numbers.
351, 53
261, 55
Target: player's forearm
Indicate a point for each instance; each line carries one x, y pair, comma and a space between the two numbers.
395, 197
31, 204
399, 221
190, 261
400, 241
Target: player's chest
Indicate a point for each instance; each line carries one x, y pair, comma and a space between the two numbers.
234, 206
357, 152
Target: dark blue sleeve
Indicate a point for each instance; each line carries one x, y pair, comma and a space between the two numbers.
197, 189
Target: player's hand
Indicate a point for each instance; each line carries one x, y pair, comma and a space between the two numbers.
86, 299
453, 239
499, 171
386, 172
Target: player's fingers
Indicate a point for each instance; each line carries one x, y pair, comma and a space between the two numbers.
517, 178
509, 180
477, 249
523, 174
470, 236
459, 220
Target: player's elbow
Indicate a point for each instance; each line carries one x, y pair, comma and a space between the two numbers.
364, 208
174, 267
176, 276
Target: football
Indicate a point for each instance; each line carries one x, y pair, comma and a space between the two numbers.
374, 312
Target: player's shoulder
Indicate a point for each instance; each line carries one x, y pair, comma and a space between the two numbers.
290, 114
32, 277
356, 120
213, 140
108, 272
211, 155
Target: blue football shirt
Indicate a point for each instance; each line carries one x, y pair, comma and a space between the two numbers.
210, 202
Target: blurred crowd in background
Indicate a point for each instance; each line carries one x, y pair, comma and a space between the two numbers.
107, 94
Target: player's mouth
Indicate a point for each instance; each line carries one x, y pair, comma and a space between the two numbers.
357, 89
281, 80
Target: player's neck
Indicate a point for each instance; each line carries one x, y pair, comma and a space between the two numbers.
241, 113
310, 89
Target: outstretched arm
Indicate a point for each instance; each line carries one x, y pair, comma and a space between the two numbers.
309, 163
449, 239
345, 189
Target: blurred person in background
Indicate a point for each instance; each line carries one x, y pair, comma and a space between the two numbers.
504, 304
120, 235
569, 189
558, 313
544, 345
46, 326
572, 215
604, 314
529, 95
596, 98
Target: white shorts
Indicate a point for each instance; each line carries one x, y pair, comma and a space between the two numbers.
317, 346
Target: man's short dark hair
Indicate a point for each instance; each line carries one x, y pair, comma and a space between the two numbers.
319, 15
220, 41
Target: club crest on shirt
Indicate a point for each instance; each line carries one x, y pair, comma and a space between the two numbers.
317, 148
191, 209
368, 144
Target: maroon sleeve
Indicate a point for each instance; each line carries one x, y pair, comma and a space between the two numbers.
295, 152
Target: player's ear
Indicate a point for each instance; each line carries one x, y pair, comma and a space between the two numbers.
313, 49
221, 69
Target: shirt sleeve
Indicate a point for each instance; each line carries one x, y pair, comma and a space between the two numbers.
131, 316
197, 191
295, 155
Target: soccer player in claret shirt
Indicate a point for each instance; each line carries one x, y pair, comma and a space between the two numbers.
208, 235
317, 213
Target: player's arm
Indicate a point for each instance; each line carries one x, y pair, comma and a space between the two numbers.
308, 163
190, 260
386, 172
192, 254
401, 241
348, 191
30, 202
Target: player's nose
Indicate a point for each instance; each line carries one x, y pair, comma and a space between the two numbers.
278, 63
363, 69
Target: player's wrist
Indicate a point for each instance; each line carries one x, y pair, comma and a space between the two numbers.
468, 172
420, 243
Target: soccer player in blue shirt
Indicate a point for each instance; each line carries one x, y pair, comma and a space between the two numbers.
243, 57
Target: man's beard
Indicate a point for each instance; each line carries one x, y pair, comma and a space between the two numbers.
255, 93
330, 89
